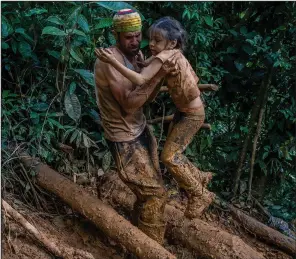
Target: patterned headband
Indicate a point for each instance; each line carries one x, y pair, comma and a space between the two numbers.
127, 20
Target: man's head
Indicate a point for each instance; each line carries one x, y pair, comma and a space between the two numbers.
127, 31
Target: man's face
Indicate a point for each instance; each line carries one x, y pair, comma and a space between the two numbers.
129, 42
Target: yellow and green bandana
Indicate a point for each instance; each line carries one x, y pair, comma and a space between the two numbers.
127, 20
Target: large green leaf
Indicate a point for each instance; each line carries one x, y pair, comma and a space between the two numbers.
25, 49
78, 32
26, 36
54, 54
36, 11
82, 21
74, 55
86, 75
116, 6
6, 28
73, 18
53, 31
209, 20
40, 107
56, 20
72, 106
144, 43
4, 45
103, 23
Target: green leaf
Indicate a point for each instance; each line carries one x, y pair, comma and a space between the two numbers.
209, 20
243, 30
40, 107
86, 75
248, 49
54, 54
14, 46
282, 28
78, 32
103, 23
75, 55
116, 6
72, 106
72, 87
25, 49
111, 38
86, 141
4, 45
36, 11
233, 32
144, 43
239, 66
26, 36
231, 50
74, 136
82, 21
64, 54
72, 20
6, 28
56, 20
53, 31
56, 123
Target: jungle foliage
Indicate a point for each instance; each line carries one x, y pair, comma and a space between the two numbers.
49, 106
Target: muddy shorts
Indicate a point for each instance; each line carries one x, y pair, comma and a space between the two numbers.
137, 170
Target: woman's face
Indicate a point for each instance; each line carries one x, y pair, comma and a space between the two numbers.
158, 42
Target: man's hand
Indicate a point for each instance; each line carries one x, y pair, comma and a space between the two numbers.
105, 55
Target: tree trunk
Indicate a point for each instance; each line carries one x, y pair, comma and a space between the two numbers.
251, 125
206, 240
105, 218
52, 245
264, 232
257, 134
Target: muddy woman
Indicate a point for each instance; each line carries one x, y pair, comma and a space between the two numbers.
167, 41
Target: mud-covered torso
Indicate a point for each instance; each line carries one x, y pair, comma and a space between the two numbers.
183, 86
118, 125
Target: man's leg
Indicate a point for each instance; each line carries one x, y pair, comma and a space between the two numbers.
136, 169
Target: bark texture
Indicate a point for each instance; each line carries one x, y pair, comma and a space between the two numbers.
264, 232
105, 217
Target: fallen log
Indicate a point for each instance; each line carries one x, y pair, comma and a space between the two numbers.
102, 215
59, 250
264, 232
197, 235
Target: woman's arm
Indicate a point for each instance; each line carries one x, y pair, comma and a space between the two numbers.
139, 79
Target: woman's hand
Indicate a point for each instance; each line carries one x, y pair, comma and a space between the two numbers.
105, 55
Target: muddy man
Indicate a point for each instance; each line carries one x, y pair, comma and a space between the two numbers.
167, 42
120, 103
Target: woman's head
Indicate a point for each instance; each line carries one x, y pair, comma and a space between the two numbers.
166, 33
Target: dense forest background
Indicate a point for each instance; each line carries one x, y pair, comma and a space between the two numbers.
247, 48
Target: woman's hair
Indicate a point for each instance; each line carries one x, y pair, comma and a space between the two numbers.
173, 29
